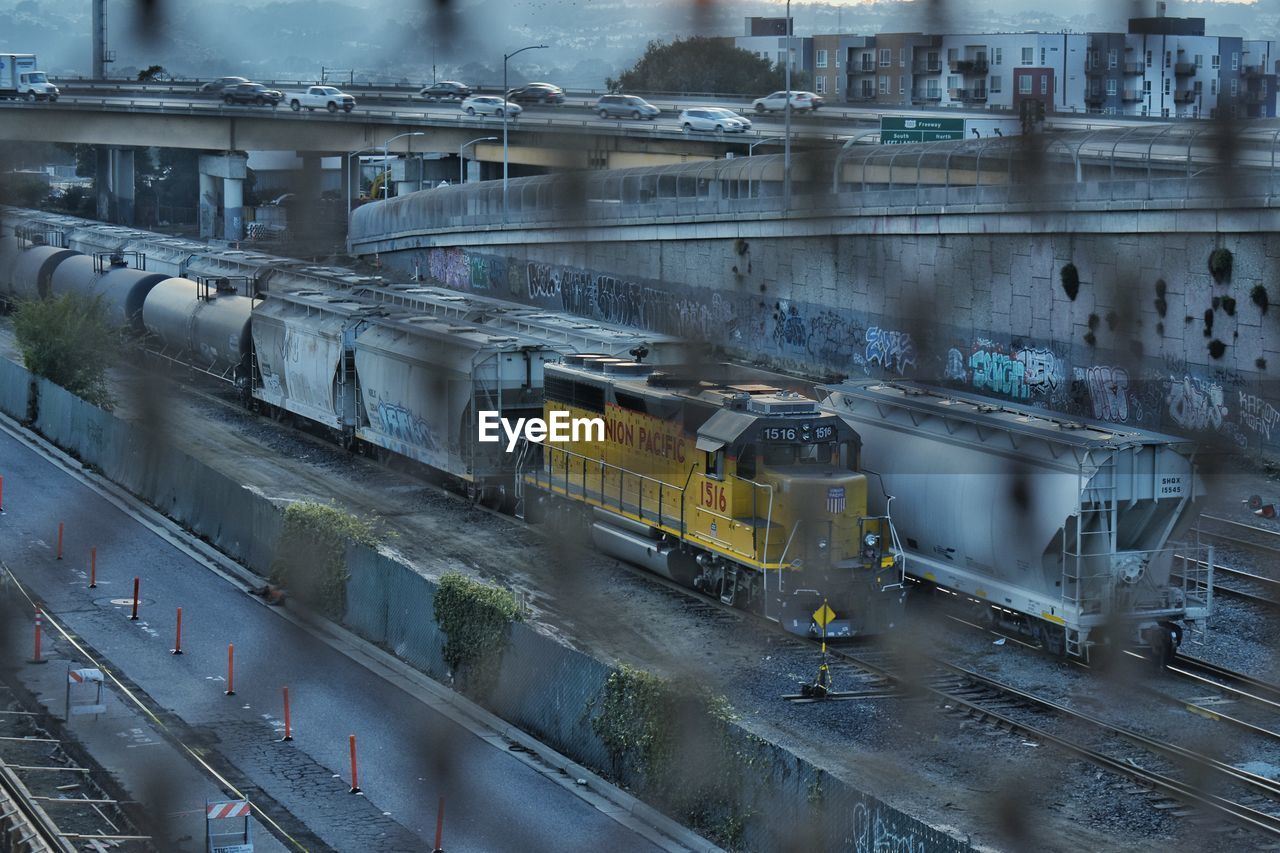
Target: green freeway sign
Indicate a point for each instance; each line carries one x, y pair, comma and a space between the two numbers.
896, 130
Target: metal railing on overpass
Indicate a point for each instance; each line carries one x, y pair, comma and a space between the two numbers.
1168, 166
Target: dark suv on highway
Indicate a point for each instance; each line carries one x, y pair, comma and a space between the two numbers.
252, 93
537, 93
222, 84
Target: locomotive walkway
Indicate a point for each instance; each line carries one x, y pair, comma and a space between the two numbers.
502, 791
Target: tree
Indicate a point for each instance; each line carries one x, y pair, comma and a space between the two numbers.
702, 64
153, 74
24, 189
69, 341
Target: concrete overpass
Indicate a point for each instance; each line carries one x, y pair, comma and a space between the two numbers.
1117, 275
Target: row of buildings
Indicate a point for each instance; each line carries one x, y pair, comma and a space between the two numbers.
1163, 67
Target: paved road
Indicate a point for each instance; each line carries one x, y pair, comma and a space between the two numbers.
409, 754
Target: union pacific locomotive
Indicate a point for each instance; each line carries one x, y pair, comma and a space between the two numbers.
741, 490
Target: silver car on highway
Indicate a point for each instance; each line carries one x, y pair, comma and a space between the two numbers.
713, 120
489, 105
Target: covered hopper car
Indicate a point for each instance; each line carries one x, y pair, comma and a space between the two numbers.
1061, 528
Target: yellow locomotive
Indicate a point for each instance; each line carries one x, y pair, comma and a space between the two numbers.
741, 490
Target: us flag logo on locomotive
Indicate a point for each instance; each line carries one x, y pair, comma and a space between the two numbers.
835, 499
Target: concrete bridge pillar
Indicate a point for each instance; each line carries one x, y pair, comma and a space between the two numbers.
102, 181
233, 168
122, 189
208, 205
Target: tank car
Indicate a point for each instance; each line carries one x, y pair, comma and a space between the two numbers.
120, 288
1062, 527
200, 326
741, 490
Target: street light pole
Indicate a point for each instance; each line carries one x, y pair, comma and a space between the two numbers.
786, 145
751, 149
386, 158
505, 159
462, 147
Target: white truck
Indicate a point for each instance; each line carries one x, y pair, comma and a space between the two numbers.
324, 97
20, 79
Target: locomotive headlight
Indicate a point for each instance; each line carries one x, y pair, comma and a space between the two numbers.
871, 540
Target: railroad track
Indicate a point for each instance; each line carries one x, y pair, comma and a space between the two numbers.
1159, 767
1245, 535
26, 824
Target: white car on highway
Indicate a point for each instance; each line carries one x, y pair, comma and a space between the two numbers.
489, 105
778, 101
714, 120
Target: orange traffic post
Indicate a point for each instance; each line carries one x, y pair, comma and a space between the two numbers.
59, 540
134, 617
355, 777
288, 725
93, 568
231, 669
177, 638
35, 657
439, 827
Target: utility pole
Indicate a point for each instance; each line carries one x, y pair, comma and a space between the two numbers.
786, 153
100, 57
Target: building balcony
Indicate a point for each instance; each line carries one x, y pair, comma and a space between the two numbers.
1095, 98
927, 66
1184, 69
967, 94
861, 95
1253, 70
971, 66
1131, 95
1257, 96
1184, 97
862, 68
926, 95
1132, 68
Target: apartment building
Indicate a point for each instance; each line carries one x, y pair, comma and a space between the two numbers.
767, 38
1162, 67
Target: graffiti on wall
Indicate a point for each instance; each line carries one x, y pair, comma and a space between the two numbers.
1196, 404
872, 833
456, 269
890, 349
1107, 390
824, 336
1020, 372
1257, 415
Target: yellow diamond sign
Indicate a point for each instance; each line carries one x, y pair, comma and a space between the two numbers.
823, 615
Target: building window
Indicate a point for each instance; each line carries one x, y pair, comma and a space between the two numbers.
1168, 58
953, 82
1148, 59
902, 85
1235, 87
821, 60
886, 57
1111, 86
1044, 84
952, 56
1199, 60
1164, 112
821, 84
838, 86
1198, 86
996, 85
1024, 84
1027, 54
1042, 57
932, 90
1113, 58
1166, 85
1235, 61
997, 57
884, 85
902, 57
1213, 85
1146, 88
1214, 61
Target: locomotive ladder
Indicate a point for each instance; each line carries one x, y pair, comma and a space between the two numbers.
1098, 494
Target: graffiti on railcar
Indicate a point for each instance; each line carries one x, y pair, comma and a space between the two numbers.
403, 425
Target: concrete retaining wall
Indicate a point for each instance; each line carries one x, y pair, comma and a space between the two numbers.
975, 311
543, 687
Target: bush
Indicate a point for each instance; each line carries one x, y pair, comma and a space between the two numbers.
475, 618
69, 341
679, 740
311, 556
1070, 281
1220, 262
